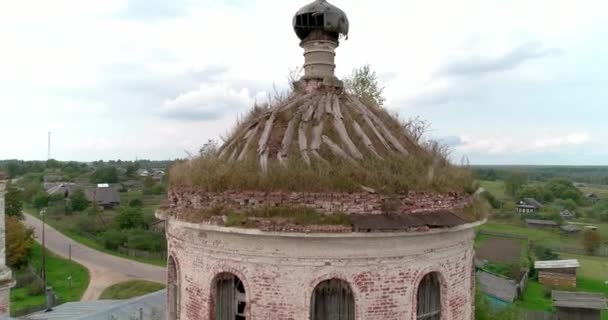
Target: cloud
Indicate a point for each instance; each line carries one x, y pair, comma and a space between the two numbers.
476, 65
576, 138
152, 10
522, 144
209, 102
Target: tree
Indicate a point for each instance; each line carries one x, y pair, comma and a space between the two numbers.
78, 200
136, 203
40, 200
514, 182
591, 241
105, 175
129, 218
14, 202
19, 241
363, 83
132, 169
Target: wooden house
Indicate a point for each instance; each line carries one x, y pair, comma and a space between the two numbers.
559, 273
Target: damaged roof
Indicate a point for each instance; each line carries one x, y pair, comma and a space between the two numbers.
392, 222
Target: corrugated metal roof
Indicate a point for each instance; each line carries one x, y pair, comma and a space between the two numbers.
553, 264
152, 306
500, 288
391, 222
585, 300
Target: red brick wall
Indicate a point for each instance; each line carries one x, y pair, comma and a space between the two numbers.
328, 202
281, 272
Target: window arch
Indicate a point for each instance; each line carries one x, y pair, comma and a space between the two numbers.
230, 297
173, 289
332, 300
429, 298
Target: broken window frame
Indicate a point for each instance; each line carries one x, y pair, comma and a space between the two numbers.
173, 290
428, 298
346, 301
229, 287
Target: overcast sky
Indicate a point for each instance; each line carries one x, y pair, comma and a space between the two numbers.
501, 81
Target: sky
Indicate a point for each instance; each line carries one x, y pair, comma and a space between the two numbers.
500, 81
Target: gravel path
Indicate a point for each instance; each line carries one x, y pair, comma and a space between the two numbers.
104, 269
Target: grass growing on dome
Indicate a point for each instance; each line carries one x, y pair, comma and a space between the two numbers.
392, 175
299, 216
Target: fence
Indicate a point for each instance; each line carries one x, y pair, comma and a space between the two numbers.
162, 255
502, 234
536, 315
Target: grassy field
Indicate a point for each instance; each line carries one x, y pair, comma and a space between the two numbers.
534, 298
58, 271
497, 188
130, 289
600, 190
542, 236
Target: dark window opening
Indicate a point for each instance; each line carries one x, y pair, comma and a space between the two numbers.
332, 300
173, 290
230, 298
429, 298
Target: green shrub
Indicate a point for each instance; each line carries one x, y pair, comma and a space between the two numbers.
36, 288
146, 240
112, 239
136, 203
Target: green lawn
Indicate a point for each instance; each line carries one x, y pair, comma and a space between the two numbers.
130, 289
58, 271
496, 188
534, 298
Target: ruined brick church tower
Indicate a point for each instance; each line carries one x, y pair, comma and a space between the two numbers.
320, 206
6, 280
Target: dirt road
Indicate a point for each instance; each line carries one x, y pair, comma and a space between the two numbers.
104, 269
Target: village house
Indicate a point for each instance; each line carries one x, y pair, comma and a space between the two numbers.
578, 305
593, 198
104, 195
567, 214
529, 205
558, 273
63, 188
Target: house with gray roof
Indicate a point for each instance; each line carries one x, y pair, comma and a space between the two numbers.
529, 205
106, 197
578, 305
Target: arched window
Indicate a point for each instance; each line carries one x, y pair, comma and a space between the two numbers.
230, 298
332, 300
173, 290
429, 298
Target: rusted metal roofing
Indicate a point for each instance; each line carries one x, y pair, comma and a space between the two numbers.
392, 222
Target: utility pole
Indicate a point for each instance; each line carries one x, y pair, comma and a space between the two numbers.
43, 214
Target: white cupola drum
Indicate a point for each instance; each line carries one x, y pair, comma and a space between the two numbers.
320, 25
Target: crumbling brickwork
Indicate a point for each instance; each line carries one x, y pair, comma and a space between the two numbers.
6, 281
280, 271
328, 202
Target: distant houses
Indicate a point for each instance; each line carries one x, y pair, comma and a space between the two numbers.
104, 196
529, 205
593, 198
558, 273
567, 214
578, 305
63, 188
